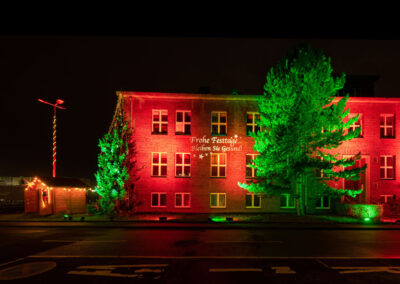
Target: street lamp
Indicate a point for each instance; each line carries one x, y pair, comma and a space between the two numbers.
55, 106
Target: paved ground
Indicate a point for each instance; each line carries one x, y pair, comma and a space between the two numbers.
101, 255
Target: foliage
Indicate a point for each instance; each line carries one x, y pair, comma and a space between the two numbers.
112, 173
300, 122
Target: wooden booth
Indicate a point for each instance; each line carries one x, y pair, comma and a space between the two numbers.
47, 195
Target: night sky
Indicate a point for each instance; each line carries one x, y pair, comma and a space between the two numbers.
86, 70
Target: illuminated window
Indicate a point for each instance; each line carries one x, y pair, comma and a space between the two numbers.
357, 124
182, 165
158, 199
387, 125
160, 122
387, 167
253, 200
159, 164
287, 201
218, 122
218, 200
45, 196
251, 125
183, 121
324, 202
218, 165
320, 172
250, 172
385, 198
182, 200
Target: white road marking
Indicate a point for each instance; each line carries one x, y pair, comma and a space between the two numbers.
367, 269
12, 261
209, 257
244, 242
235, 270
107, 270
120, 266
283, 270
84, 241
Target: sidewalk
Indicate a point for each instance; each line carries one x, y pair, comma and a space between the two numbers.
283, 221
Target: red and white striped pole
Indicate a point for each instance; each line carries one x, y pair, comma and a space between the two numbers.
55, 106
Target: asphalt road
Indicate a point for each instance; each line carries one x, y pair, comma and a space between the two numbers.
102, 255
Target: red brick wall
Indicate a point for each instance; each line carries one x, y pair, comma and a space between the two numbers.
139, 106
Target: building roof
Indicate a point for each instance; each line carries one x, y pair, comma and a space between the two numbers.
63, 182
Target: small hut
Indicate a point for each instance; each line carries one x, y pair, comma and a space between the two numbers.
47, 195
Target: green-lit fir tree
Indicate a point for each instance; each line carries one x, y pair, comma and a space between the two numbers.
113, 165
300, 123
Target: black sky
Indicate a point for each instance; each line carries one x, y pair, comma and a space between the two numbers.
85, 69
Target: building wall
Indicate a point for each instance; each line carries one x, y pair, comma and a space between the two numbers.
138, 107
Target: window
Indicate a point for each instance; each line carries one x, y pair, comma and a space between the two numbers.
218, 122
158, 199
218, 165
387, 167
182, 165
159, 165
253, 200
324, 202
183, 121
251, 125
320, 172
250, 172
357, 124
218, 200
385, 198
387, 125
182, 200
160, 122
287, 201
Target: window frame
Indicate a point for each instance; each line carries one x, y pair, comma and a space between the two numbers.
385, 126
252, 200
183, 199
287, 197
218, 165
253, 170
218, 195
355, 125
160, 122
159, 200
183, 165
159, 165
321, 199
385, 167
183, 123
253, 123
219, 123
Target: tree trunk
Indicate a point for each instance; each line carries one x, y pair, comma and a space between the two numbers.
300, 190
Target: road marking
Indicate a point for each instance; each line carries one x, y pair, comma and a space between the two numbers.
209, 257
84, 241
283, 270
235, 270
244, 242
120, 266
107, 270
367, 269
12, 261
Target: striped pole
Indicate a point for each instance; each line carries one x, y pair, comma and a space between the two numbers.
54, 143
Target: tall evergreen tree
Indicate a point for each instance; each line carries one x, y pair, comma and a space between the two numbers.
300, 122
113, 165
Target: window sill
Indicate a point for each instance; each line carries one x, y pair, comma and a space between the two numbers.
156, 133
158, 176
218, 177
253, 207
182, 134
215, 134
182, 176
389, 138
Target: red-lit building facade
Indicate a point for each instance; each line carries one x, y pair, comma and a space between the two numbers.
193, 149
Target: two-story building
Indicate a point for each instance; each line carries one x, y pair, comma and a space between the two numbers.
193, 149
